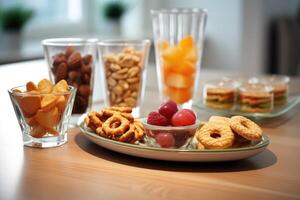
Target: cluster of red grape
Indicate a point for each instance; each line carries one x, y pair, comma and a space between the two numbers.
169, 115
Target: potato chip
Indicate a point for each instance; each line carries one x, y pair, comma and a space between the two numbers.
38, 131
60, 87
31, 86
49, 118
48, 102
45, 86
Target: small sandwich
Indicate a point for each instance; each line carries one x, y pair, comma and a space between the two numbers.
220, 98
280, 95
255, 101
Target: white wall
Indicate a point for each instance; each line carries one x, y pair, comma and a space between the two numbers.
256, 17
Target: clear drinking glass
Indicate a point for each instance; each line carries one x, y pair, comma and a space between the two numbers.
42, 127
178, 39
124, 68
73, 59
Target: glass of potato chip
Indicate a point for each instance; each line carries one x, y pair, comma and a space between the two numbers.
43, 112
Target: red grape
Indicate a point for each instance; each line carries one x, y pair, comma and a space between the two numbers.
168, 109
165, 139
155, 118
183, 117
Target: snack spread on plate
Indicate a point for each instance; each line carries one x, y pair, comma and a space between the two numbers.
170, 127
222, 132
124, 76
76, 69
179, 69
43, 105
116, 123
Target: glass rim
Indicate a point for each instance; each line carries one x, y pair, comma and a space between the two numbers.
123, 42
179, 10
24, 94
274, 78
69, 41
258, 87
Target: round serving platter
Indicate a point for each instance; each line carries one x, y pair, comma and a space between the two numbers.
187, 155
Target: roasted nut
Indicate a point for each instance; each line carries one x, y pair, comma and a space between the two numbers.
124, 84
78, 73
58, 59
127, 94
86, 79
123, 73
115, 67
118, 76
126, 61
84, 90
132, 72
74, 76
118, 90
61, 72
69, 51
74, 61
87, 59
110, 58
111, 81
133, 80
130, 101
134, 94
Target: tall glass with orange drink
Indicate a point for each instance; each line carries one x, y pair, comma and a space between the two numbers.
178, 38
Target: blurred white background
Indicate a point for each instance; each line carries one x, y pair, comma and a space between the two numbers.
249, 36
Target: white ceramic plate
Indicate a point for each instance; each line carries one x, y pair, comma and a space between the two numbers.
188, 155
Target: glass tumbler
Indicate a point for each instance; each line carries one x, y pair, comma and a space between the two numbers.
43, 127
124, 68
178, 39
73, 59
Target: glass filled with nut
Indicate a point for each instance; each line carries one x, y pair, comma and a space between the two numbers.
124, 69
73, 60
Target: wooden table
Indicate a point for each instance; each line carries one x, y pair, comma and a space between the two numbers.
83, 170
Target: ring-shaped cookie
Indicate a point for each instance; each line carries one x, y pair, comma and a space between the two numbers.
215, 136
245, 128
219, 119
115, 131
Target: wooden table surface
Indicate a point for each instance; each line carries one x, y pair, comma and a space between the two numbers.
82, 170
